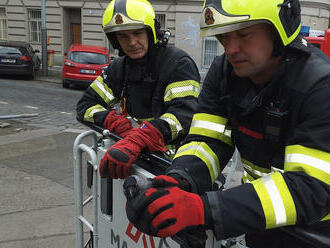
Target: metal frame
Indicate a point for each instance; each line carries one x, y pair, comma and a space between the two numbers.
78, 149
97, 226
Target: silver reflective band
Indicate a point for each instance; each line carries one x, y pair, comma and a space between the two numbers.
206, 155
274, 169
91, 114
176, 90
208, 125
245, 174
227, 132
172, 123
94, 111
308, 160
106, 93
276, 199
258, 173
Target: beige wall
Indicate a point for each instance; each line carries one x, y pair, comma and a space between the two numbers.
315, 14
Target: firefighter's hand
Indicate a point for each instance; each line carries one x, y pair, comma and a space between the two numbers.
117, 123
165, 210
118, 159
171, 180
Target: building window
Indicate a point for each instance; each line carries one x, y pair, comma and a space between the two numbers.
34, 19
3, 24
210, 50
161, 19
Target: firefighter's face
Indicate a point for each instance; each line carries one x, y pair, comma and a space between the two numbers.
133, 42
249, 50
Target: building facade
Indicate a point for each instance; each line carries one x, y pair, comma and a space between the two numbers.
80, 21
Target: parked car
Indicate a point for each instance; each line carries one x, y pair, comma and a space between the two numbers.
18, 58
83, 63
322, 42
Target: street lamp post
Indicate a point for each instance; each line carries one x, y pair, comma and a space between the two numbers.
44, 55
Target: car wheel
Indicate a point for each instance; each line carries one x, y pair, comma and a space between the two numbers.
65, 84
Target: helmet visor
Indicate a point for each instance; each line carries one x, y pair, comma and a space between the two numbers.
124, 27
229, 28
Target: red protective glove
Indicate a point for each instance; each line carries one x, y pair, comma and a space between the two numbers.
117, 123
171, 180
165, 209
118, 158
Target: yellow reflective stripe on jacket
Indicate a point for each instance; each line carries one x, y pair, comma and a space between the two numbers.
247, 178
89, 114
276, 200
103, 90
139, 121
212, 126
327, 217
313, 162
181, 89
174, 124
274, 169
254, 170
252, 176
203, 152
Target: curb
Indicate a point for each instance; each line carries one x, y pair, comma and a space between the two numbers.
54, 75
49, 80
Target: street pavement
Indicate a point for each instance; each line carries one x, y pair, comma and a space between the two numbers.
37, 206
36, 180
54, 75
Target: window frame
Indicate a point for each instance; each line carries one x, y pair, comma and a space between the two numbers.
4, 19
204, 64
31, 33
162, 20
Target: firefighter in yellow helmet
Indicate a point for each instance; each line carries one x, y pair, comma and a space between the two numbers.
268, 95
155, 84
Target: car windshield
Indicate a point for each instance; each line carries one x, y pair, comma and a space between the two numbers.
88, 58
9, 50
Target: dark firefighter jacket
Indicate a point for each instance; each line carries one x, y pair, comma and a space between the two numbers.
282, 132
163, 89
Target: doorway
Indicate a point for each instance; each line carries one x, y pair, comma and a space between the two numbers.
71, 27
76, 33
